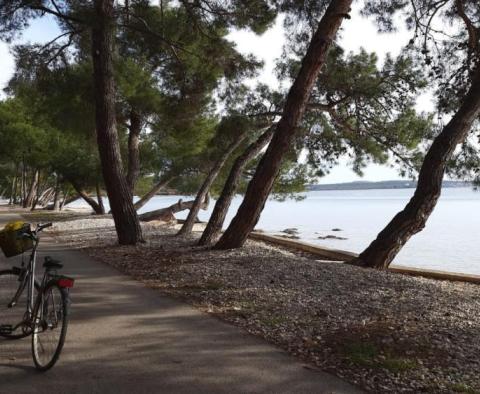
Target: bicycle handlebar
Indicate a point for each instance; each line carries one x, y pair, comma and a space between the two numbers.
41, 227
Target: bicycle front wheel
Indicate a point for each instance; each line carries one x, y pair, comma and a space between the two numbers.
13, 305
50, 326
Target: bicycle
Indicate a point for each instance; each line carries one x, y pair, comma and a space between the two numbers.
29, 307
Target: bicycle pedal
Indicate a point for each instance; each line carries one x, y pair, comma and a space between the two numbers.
6, 329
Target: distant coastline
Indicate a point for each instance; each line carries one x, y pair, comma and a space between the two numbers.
367, 185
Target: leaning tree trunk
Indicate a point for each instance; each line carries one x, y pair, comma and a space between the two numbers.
135, 129
32, 191
148, 196
219, 213
124, 215
100, 199
207, 184
381, 252
56, 198
168, 214
67, 200
62, 202
89, 200
269, 166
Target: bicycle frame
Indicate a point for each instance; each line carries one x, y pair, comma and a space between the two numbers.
27, 278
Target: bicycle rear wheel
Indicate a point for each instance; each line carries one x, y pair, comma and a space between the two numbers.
12, 315
50, 327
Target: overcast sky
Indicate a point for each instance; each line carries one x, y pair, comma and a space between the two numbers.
356, 32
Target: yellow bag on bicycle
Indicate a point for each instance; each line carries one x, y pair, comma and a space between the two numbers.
11, 240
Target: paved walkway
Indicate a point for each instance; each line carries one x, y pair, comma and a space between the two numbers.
126, 338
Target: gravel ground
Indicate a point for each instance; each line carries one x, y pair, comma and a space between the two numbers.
383, 331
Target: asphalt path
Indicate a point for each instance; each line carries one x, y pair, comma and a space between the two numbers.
126, 338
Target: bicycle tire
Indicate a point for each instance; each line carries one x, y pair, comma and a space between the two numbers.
46, 321
9, 285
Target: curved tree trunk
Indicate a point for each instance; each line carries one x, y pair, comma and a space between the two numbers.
56, 198
135, 129
100, 199
32, 191
124, 215
219, 213
67, 200
167, 214
62, 201
381, 252
207, 184
89, 200
44, 198
262, 182
159, 186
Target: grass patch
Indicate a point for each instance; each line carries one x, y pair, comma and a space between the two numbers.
213, 285
462, 388
369, 355
273, 321
361, 353
399, 364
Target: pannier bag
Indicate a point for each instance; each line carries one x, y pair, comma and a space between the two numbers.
11, 240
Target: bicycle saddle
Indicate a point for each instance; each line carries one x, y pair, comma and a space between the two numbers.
51, 263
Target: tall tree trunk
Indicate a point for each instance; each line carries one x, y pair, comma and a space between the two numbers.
207, 184
164, 181
89, 200
23, 185
100, 199
125, 217
56, 197
217, 218
381, 252
135, 129
268, 168
13, 192
32, 191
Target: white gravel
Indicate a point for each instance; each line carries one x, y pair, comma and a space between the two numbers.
386, 332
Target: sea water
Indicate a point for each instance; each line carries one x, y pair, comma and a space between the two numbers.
449, 242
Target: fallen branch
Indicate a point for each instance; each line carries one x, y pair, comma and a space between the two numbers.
167, 214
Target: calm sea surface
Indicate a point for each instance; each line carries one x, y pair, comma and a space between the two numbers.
450, 241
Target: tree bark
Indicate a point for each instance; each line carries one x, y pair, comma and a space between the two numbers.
207, 184
44, 197
64, 201
268, 168
159, 186
124, 215
23, 188
135, 129
56, 198
100, 199
381, 252
32, 191
89, 200
167, 214
13, 192
217, 218
67, 200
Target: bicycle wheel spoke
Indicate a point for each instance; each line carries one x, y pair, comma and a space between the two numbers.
50, 327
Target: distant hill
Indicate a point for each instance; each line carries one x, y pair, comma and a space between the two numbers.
366, 185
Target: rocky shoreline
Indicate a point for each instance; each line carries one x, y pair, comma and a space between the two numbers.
382, 331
